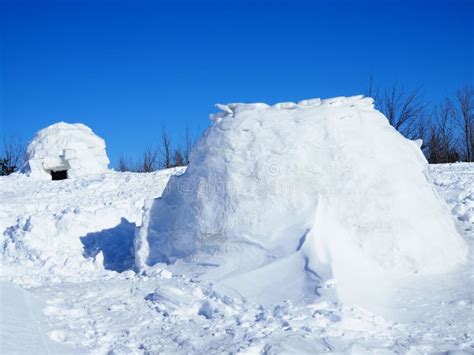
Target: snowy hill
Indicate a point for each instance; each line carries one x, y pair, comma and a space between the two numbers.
69, 244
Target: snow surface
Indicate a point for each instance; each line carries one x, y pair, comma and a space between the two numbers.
71, 227
319, 191
65, 146
86, 298
23, 322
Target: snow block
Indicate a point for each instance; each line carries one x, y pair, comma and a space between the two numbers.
65, 147
281, 198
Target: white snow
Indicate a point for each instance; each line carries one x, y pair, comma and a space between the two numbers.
72, 227
304, 227
278, 200
64, 146
23, 326
71, 303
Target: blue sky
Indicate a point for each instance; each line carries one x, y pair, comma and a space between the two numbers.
126, 68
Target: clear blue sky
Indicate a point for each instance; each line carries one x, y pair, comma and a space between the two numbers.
126, 68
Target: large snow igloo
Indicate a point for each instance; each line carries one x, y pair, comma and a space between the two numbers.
65, 150
279, 199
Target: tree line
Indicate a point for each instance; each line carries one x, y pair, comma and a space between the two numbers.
162, 155
446, 130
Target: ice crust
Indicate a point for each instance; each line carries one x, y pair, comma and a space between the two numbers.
302, 193
65, 146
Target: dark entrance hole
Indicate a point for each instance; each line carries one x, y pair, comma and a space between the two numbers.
59, 175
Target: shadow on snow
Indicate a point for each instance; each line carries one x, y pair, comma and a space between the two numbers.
116, 245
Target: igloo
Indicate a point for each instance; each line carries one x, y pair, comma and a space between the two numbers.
277, 200
65, 150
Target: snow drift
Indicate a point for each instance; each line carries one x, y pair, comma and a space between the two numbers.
279, 199
75, 229
63, 147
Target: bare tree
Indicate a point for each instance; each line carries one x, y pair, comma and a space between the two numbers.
149, 160
125, 164
465, 100
12, 155
441, 142
161, 157
371, 90
166, 148
404, 110
178, 159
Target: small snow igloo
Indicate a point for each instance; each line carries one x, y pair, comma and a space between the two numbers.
65, 150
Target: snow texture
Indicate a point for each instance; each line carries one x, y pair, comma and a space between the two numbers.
23, 326
71, 228
66, 147
86, 298
314, 192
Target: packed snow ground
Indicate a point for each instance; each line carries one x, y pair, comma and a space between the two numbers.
82, 293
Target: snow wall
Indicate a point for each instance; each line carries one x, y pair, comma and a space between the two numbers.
283, 201
64, 146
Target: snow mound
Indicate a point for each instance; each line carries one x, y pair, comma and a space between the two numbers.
54, 242
279, 199
86, 229
61, 147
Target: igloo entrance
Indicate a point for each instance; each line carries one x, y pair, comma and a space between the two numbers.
58, 174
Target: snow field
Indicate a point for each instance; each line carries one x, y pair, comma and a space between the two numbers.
175, 309
290, 232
